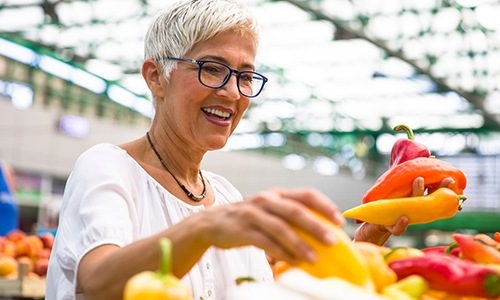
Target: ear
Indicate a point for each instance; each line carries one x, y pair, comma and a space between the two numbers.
153, 75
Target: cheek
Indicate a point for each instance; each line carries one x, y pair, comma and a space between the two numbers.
242, 107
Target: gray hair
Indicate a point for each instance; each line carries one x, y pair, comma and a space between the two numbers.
178, 28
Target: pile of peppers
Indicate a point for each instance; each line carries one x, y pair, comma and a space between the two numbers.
469, 267
391, 193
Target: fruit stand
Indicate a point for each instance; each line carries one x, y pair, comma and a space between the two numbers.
23, 264
23, 286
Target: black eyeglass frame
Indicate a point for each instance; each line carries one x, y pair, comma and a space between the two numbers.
231, 71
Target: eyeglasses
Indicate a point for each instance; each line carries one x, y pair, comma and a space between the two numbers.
215, 75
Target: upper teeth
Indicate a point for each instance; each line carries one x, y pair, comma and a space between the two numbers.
217, 112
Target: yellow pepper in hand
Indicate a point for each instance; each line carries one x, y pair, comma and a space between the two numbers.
341, 259
159, 285
441, 204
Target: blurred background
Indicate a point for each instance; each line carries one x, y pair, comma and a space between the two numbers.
342, 74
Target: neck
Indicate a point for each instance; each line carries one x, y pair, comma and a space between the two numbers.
183, 162
190, 194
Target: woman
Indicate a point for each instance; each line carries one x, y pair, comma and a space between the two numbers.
119, 200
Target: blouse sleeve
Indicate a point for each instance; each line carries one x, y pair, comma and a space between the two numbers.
98, 202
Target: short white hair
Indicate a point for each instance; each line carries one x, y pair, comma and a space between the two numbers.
178, 28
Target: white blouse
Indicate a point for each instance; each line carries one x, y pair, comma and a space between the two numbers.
110, 199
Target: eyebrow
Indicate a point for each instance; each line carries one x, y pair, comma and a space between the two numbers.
223, 60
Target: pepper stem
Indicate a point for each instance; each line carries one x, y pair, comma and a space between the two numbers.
450, 248
492, 285
165, 264
461, 200
405, 128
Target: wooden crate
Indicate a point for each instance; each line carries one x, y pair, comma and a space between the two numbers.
23, 286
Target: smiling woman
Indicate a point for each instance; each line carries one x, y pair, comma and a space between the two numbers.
120, 200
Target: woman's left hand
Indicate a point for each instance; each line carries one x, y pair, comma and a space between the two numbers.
378, 234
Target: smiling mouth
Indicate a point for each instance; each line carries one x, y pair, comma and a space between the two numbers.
222, 115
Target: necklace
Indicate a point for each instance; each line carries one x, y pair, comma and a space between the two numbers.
194, 197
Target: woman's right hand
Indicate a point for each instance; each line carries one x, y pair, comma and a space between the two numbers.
265, 220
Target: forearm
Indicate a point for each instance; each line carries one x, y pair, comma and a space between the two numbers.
104, 271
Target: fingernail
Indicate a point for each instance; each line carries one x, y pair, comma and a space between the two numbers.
329, 238
338, 215
421, 184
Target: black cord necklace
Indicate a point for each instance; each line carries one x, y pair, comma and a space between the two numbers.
188, 193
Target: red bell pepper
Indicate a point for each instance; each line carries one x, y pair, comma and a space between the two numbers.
451, 274
406, 149
496, 236
479, 248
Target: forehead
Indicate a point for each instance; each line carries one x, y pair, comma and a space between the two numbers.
229, 45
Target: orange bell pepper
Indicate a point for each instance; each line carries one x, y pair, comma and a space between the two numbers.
397, 182
441, 204
479, 248
378, 268
159, 285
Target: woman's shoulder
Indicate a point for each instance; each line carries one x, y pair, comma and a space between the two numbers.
104, 156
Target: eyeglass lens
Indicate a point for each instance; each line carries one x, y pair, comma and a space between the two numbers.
215, 75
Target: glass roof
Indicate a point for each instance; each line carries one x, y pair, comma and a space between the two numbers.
335, 66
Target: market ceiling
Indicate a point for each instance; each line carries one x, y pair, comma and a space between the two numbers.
334, 65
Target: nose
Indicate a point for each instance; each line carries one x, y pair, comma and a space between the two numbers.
230, 89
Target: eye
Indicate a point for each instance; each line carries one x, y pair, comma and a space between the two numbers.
246, 78
214, 69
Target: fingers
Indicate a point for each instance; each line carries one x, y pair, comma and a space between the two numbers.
316, 201
447, 183
400, 227
295, 208
280, 210
373, 233
418, 187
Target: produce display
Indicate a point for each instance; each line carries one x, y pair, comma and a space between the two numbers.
467, 269
24, 260
18, 247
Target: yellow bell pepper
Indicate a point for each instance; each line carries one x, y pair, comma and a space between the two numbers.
402, 252
412, 287
159, 285
378, 268
341, 259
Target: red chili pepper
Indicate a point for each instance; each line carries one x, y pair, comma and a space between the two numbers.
479, 248
451, 274
406, 149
